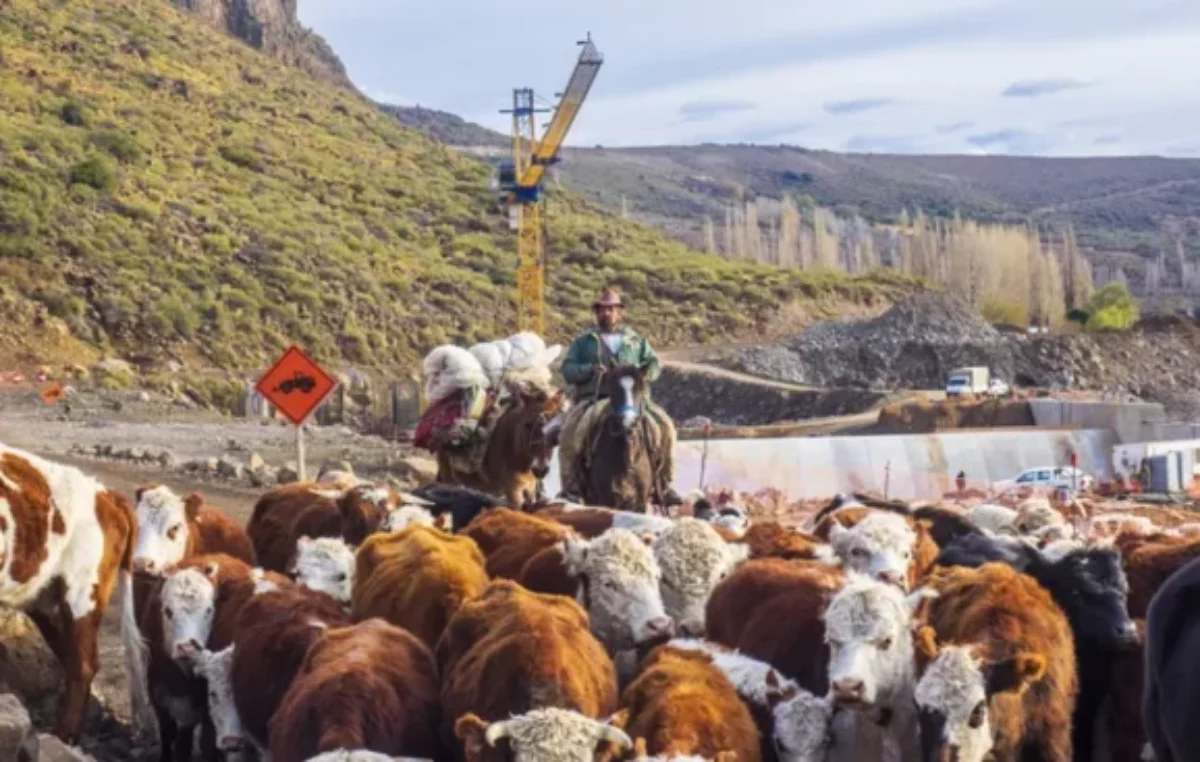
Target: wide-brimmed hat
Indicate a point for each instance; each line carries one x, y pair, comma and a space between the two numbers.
609, 298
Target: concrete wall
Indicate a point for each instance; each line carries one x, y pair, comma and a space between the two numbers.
922, 466
1130, 421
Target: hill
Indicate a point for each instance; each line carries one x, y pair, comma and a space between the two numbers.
169, 192
1127, 205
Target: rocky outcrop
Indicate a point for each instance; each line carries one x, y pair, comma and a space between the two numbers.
273, 26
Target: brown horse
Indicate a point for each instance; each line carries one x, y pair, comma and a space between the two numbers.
517, 453
618, 468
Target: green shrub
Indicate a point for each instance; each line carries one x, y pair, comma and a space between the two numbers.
96, 172
243, 157
1112, 308
997, 310
117, 144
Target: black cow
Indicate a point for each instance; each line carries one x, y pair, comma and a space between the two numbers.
463, 503
1171, 690
1089, 585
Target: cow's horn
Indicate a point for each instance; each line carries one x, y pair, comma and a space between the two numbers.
615, 735
497, 731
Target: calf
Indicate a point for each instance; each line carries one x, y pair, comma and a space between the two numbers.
617, 580
794, 724
215, 669
771, 609
1172, 685
65, 543
171, 529
509, 539
274, 632
178, 616
1090, 587
371, 686
693, 559
510, 654
997, 668
326, 565
681, 703
417, 579
287, 513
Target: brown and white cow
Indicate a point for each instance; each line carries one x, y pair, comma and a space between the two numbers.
285, 514
370, 686
171, 528
591, 522
886, 546
510, 637
417, 579
680, 703
996, 661
771, 609
274, 632
795, 724
66, 543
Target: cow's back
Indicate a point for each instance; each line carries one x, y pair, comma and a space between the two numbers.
681, 703
772, 609
511, 650
285, 514
370, 686
1149, 564
771, 539
508, 539
273, 633
417, 579
218, 533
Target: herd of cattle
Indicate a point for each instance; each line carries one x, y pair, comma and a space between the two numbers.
349, 621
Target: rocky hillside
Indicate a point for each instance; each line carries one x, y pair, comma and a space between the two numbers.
273, 26
168, 192
919, 340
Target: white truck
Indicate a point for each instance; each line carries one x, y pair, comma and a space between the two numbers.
965, 381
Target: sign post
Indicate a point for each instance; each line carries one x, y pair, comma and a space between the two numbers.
296, 386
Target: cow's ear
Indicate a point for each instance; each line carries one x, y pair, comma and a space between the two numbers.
1011, 675
575, 554
303, 541
192, 505
471, 731
211, 570
620, 719
925, 646
137, 493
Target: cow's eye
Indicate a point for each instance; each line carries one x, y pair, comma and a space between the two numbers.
341, 577
884, 644
610, 584
168, 613
858, 552
977, 715
173, 532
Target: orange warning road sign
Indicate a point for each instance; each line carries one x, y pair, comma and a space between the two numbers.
296, 385
53, 393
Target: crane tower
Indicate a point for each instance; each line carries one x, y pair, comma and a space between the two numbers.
521, 180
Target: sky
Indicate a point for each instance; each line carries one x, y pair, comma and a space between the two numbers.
1023, 77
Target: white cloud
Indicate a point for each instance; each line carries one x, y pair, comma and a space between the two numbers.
927, 65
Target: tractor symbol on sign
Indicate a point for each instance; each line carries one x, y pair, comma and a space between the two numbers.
298, 381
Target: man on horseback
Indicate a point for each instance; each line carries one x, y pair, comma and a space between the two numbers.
594, 352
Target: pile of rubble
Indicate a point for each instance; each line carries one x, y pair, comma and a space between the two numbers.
918, 341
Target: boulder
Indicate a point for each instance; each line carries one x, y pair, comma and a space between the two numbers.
255, 463
229, 469
51, 749
16, 730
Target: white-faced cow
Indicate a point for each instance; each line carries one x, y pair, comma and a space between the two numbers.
171, 528
693, 559
65, 541
325, 564
880, 546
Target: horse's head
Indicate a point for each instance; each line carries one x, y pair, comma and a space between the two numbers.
625, 388
534, 409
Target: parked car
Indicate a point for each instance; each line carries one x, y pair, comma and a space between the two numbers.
1050, 477
997, 388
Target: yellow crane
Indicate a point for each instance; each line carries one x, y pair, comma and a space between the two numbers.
521, 180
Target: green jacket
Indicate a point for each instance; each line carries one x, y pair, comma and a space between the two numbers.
588, 350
